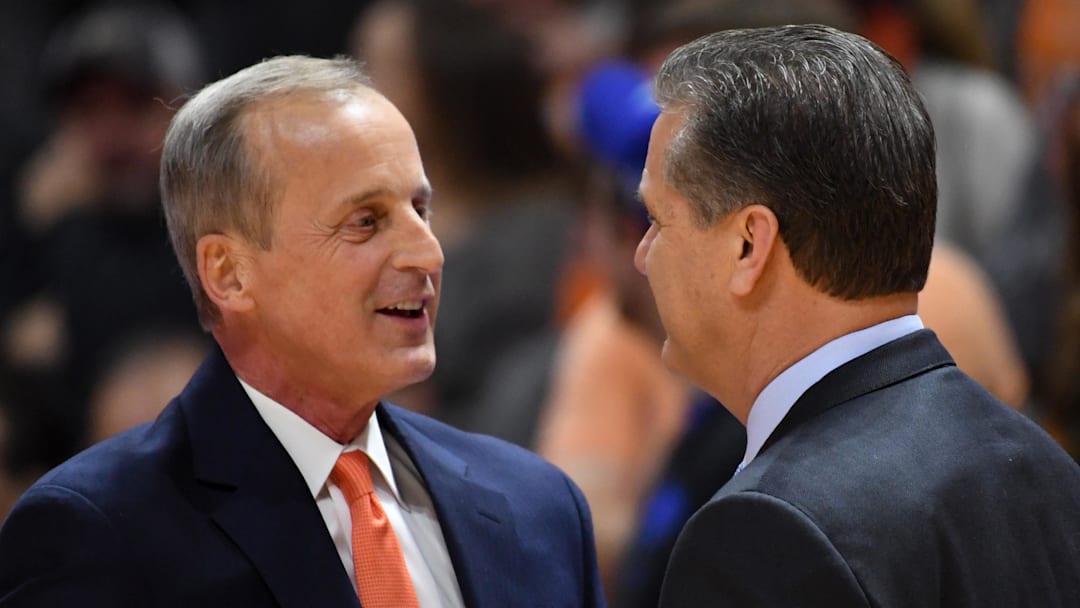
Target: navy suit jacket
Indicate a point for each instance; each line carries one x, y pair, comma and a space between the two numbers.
204, 507
894, 481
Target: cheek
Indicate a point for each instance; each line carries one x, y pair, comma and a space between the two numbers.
317, 296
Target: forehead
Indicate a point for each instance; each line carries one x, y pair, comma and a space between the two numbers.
318, 153
664, 129
667, 125
307, 122
311, 137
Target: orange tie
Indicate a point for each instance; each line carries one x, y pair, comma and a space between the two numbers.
382, 580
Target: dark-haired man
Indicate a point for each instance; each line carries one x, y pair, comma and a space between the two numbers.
790, 180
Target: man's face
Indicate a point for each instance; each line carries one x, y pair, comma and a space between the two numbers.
684, 262
346, 295
121, 127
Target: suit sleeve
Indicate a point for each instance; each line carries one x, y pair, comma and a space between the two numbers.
58, 550
593, 590
751, 549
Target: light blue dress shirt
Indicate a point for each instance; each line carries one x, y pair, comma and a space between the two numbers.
779, 395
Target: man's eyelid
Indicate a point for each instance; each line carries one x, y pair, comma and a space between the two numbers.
422, 203
359, 215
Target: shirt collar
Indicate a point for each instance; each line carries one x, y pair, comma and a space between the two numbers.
315, 453
778, 397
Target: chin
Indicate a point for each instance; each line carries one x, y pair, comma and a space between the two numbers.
419, 365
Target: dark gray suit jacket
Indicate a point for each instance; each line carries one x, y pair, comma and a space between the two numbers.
894, 481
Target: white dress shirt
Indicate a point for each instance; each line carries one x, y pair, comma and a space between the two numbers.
778, 396
398, 486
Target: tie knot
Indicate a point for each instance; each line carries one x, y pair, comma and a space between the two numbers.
352, 475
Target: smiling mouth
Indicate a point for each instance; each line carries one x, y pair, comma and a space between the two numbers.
407, 310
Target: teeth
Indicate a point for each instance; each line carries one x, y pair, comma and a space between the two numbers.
414, 305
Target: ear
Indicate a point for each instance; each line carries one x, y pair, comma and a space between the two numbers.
223, 264
759, 230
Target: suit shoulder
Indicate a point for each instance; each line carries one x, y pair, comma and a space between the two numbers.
937, 428
750, 548
106, 472
928, 463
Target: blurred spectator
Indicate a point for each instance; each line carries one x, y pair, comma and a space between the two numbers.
1047, 45
1028, 260
986, 140
142, 378
466, 83
1063, 418
1026, 269
960, 305
31, 434
705, 458
614, 411
1002, 19
659, 27
239, 33
23, 440
97, 254
110, 75
995, 200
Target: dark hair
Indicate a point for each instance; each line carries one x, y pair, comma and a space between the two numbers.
824, 128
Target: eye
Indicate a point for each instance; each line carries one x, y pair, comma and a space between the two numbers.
360, 225
423, 208
367, 220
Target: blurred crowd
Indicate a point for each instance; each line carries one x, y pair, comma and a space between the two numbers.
532, 117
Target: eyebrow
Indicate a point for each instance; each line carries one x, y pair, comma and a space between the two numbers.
639, 196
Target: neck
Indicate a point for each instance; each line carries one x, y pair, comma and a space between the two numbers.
790, 335
331, 412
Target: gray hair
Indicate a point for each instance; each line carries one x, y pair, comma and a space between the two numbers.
824, 128
212, 181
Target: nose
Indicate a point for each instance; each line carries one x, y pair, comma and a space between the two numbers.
643, 250
418, 248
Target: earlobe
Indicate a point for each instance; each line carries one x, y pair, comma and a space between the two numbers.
222, 270
759, 231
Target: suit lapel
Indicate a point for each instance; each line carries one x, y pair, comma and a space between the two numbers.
893, 362
476, 521
263, 504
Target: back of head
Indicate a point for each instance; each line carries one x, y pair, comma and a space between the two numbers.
212, 180
822, 127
